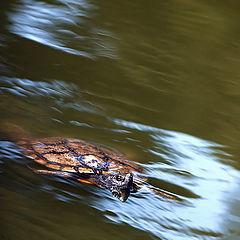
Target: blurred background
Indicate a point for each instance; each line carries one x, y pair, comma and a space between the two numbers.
156, 80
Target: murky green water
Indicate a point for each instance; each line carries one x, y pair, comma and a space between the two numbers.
156, 80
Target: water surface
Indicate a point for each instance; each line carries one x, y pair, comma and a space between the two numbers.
157, 81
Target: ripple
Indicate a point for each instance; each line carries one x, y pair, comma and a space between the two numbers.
58, 101
63, 94
192, 168
63, 26
27, 87
194, 173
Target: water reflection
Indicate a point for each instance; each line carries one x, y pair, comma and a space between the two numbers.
57, 96
178, 69
63, 25
185, 165
193, 164
180, 163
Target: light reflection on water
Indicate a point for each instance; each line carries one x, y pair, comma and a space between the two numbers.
52, 24
204, 175
207, 177
185, 165
55, 95
95, 106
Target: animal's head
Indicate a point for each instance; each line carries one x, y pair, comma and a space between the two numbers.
119, 184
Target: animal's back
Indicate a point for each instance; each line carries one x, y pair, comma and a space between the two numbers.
68, 154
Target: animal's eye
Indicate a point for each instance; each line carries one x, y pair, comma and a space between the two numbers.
118, 178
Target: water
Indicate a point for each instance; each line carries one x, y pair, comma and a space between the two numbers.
156, 80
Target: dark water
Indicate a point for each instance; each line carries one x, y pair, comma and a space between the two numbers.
156, 80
